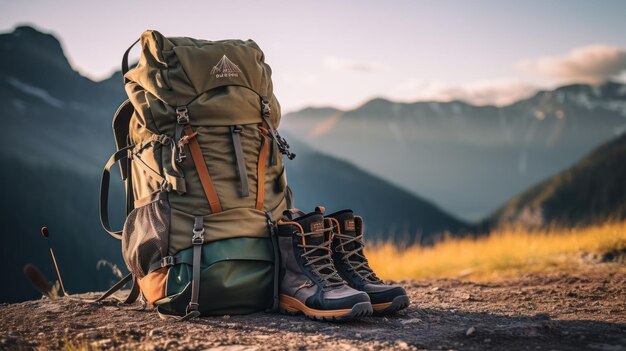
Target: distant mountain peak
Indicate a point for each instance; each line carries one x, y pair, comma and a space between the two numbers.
377, 102
33, 65
26, 29
317, 111
27, 35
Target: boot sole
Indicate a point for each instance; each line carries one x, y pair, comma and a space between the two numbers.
385, 308
292, 306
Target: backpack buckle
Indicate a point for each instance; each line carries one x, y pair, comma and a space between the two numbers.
182, 115
168, 261
265, 107
198, 236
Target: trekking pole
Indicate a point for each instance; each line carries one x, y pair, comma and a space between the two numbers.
45, 233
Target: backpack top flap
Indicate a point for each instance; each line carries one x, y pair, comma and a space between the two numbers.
177, 70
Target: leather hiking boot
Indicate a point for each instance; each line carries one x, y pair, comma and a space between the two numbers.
352, 266
309, 283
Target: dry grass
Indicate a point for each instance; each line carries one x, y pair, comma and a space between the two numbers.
504, 254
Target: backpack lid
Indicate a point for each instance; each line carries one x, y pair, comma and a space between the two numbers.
176, 70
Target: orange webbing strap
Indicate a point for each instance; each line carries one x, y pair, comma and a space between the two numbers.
203, 171
260, 192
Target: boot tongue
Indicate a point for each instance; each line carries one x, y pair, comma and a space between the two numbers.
347, 226
313, 222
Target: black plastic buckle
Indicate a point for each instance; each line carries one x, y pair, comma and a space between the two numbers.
265, 107
182, 115
198, 236
168, 261
164, 139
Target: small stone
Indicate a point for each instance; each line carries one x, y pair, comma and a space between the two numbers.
401, 344
155, 332
411, 321
435, 288
170, 344
88, 335
226, 316
470, 331
104, 343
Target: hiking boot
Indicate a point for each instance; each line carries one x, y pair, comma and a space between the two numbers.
352, 266
309, 281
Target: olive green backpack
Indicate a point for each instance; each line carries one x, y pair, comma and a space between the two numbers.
202, 165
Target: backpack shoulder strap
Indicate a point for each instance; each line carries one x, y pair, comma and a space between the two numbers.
121, 130
104, 191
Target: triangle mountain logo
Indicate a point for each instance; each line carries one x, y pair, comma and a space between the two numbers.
225, 68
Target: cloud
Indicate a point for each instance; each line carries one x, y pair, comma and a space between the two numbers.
589, 64
497, 92
341, 64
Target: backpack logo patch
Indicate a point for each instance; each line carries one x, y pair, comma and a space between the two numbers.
225, 68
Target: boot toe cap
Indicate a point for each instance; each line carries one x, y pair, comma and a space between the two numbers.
380, 293
336, 299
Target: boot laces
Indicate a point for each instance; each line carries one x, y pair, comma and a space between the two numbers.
319, 257
355, 259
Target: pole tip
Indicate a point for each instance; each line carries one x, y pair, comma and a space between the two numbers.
44, 232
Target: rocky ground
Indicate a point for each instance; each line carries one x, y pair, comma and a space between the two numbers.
585, 310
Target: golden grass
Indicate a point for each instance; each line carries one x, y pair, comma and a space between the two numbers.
505, 253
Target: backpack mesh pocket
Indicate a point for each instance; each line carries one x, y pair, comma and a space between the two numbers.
145, 236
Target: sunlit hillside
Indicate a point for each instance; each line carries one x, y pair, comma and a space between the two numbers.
505, 253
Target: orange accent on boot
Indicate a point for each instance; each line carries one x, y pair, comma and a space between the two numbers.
358, 223
336, 224
292, 304
280, 221
153, 285
380, 306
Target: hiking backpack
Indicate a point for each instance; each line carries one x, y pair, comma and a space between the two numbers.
202, 167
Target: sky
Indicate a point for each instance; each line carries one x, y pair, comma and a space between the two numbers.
343, 53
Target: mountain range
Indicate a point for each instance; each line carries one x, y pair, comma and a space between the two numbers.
468, 159
589, 192
377, 159
58, 136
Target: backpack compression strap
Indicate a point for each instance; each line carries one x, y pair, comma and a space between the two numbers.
197, 240
261, 170
189, 139
193, 308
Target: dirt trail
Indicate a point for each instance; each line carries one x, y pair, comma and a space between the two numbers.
586, 310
